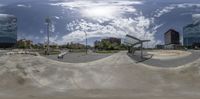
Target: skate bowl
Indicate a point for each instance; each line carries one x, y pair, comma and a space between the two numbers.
114, 77
168, 54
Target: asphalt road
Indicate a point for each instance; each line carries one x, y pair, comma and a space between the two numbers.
79, 57
195, 54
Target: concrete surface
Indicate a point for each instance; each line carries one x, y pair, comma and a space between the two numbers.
167, 61
113, 77
168, 54
2, 52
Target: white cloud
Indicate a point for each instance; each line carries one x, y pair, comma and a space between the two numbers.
53, 39
42, 31
106, 9
196, 18
25, 6
1, 5
57, 17
52, 28
111, 13
92, 30
89, 3
174, 6
140, 27
164, 11
158, 26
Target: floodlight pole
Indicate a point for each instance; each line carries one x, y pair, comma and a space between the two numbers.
48, 38
86, 49
48, 22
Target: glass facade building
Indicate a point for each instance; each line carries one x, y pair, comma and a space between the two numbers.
8, 30
191, 35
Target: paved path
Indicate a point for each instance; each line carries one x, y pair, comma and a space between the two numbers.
195, 54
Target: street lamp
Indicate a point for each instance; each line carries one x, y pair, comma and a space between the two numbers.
86, 49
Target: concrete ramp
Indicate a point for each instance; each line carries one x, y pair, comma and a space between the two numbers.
27, 77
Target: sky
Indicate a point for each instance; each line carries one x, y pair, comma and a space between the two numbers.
72, 19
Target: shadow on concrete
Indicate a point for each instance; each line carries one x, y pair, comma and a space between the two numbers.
148, 60
138, 58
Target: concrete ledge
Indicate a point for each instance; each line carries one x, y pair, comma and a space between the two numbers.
23, 52
168, 54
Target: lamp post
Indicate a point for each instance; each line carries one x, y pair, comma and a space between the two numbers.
86, 49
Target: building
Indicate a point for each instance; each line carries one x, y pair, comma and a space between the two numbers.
191, 33
172, 39
8, 30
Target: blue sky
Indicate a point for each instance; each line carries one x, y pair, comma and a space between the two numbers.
145, 19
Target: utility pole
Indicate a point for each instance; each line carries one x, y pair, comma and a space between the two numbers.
48, 22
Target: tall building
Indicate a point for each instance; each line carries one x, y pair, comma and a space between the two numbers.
191, 32
8, 30
172, 39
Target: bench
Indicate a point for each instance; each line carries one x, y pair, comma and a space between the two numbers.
61, 55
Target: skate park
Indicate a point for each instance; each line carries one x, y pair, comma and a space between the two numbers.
118, 75
79, 56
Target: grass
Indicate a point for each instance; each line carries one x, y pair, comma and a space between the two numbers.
50, 53
77, 50
107, 51
54, 52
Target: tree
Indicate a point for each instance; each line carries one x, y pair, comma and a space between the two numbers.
108, 44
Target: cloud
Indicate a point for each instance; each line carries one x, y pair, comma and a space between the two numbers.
57, 17
42, 31
174, 6
24, 6
108, 19
52, 27
164, 11
92, 30
140, 27
100, 8
196, 18
91, 3
1, 5
53, 39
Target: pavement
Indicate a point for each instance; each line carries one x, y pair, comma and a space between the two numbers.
173, 62
114, 77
